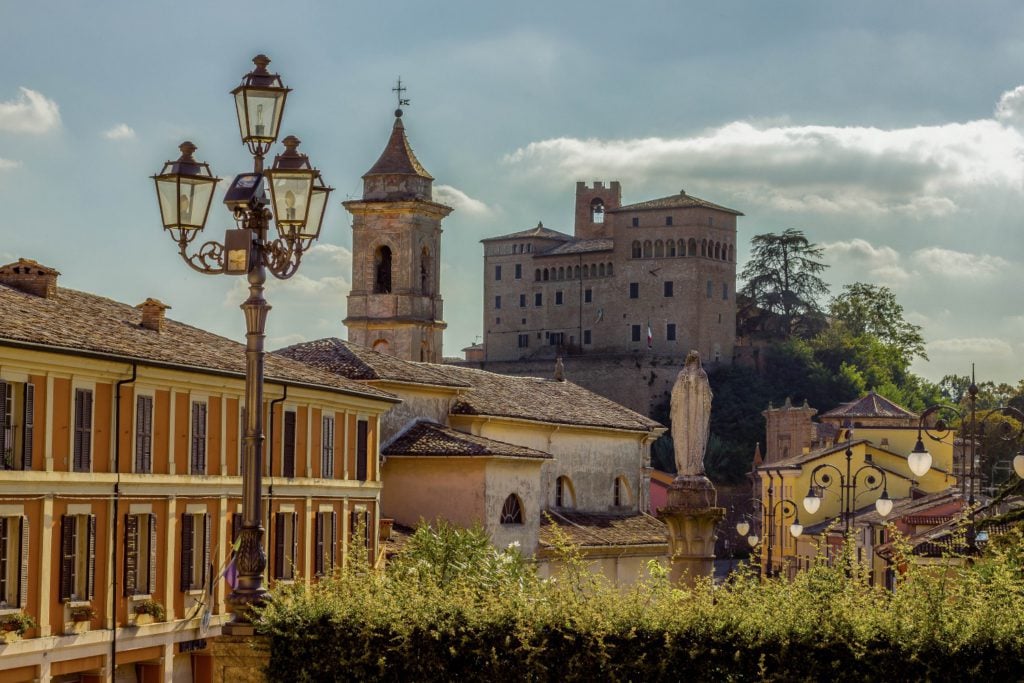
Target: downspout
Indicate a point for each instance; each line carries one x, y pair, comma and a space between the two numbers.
113, 516
270, 468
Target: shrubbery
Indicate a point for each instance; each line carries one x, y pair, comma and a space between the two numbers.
453, 608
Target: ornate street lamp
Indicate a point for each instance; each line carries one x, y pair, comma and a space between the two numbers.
783, 507
874, 479
298, 199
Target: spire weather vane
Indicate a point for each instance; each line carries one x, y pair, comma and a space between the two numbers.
399, 90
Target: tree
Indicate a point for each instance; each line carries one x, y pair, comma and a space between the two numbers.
780, 297
864, 309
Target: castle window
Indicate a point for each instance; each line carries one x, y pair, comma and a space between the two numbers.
597, 211
710, 287
586, 337
588, 295
425, 272
538, 299
636, 221
522, 301
682, 248
704, 248
497, 272
524, 341
634, 290
536, 275
718, 250
670, 332
668, 220
382, 274
529, 248
670, 248
558, 298
497, 302
691, 249
659, 249
576, 273
711, 221
648, 249
561, 273
512, 510
565, 496
609, 270
668, 288
634, 333
519, 271
546, 275
725, 291
636, 249
600, 270
732, 254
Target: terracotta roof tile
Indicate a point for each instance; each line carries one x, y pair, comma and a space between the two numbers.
580, 247
360, 363
871, 405
539, 231
426, 438
78, 322
676, 201
595, 529
397, 157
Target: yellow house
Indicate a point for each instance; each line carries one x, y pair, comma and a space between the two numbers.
848, 460
120, 484
513, 454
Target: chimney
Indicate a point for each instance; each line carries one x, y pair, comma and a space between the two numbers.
153, 314
30, 277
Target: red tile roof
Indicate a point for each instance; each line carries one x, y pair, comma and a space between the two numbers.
425, 438
361, 363
676, 201
588, 529
397, 157
871, 405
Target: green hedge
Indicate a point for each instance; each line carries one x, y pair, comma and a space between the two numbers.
453, 609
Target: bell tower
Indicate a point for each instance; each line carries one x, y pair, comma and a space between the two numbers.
395, 304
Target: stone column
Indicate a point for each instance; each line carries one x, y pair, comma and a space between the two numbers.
692, 514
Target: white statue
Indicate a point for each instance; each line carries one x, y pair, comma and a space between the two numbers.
691, 415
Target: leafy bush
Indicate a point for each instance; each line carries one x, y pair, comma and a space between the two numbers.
455, 609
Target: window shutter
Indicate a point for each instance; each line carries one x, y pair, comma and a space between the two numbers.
83, 429
206, 548
361, 449
152, 554
23, 564
198, 438
29, 422
278, 545
295, 543
6, 440
90, 577
5, 529
144, 434
131, 554
67, 556
187, 547
318, 557
288, 464
236, 527
333, 539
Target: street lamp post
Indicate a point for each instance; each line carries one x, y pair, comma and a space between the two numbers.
783, 506
825, 474
298, 198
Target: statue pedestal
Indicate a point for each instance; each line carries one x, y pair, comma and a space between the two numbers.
691, 515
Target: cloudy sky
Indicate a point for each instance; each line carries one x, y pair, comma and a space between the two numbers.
892, 134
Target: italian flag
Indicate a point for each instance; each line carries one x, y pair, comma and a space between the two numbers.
650, 337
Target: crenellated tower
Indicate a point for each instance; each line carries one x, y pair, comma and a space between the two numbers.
592, 205
395, 304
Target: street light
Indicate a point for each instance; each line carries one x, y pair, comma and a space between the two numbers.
822, 479
298, 199
768, 517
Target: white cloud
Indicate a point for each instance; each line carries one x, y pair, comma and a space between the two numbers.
920, 171
983, 346
31, 112
8, 164
958, 265
121, 131
330, 252
881, 263
1010, 108
460, 201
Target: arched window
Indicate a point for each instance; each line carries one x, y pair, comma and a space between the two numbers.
565, 495
424, 352
692, 247
648, 249
382, 271
732, 254
561, 273
512, 510
425, 272
515, 248
545, 275
576, 273
529, 248
718, 250
609, 270
620, 492
670, 248
597, 210
586, 272
381, 346
659, 249
704, 248
536, 274
600, 270
636, 249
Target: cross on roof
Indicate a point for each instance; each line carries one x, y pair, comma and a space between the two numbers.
399, 90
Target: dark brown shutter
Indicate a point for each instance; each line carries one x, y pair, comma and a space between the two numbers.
198, 438
23, 564
236, 526
6, 428
83, 430
29, 422
318, 557
144, 434
333, 539
5, 559
288, 465
327, 460
188, 540
152, 554
207, 519
90, 577
295, 544
279, 545
67, 556
131, 554
361, 449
